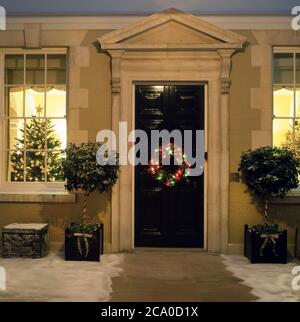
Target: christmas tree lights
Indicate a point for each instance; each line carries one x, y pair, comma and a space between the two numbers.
39, 142
159, 173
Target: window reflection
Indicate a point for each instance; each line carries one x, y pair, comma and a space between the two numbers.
14, 69
286, 100
283, 101
283, 68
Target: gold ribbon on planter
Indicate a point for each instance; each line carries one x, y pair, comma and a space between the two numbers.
86, 242
267, 238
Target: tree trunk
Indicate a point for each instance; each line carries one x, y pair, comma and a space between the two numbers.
266, 215
84, 211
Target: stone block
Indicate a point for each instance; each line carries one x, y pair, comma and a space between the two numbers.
74, 119
261, 56
74, 78
261, 138
78, 98
78, 136
25, 240
80, 56
32, 35
255, 98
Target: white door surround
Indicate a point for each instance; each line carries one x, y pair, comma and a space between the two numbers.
173, 46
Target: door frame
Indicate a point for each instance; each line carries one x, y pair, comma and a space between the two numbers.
191, 50
212, 68
200, 83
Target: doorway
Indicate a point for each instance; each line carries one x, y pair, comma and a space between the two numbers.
169, 216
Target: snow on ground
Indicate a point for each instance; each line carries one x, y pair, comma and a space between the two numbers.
269, 282
54, 279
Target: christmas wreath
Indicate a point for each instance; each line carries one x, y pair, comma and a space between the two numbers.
164, 176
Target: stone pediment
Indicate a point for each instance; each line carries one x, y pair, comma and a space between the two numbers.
173, 30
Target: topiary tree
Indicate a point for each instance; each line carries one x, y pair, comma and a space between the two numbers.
270, 172
82, 172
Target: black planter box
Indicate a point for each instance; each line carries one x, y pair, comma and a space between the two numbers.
84, 246
261, 249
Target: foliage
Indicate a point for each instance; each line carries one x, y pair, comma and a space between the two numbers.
266, 229
82, 171
292, 138
270, 171
38, 135
83, 228
165, 175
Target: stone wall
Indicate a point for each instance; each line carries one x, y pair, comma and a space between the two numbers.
89, 110
251, 113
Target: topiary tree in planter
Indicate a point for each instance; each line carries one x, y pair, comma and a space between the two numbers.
269, 172
83, 173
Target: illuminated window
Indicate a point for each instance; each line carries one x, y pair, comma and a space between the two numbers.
286, 98
35, 116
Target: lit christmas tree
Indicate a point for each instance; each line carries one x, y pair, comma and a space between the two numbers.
37, 136
292, 138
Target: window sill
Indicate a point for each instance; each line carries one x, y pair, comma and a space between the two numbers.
51, 197
292, 198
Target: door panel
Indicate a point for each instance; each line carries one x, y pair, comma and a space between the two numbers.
169, 217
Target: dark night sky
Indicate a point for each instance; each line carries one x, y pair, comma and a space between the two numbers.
94, 7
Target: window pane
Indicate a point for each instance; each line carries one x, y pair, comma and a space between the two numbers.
14, 69
56, 69
283, 69
14, 98
298, 102
35, 130
298, 69
54, 166
297, 135
283, 101
15, 134
283, 132
35, 69
43, 134
16, 166
35, 101
56, 102
57, 138
35, 166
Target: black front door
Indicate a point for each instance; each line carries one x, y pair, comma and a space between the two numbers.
168, 216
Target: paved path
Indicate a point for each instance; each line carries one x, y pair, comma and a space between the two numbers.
176, 276
150, 276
